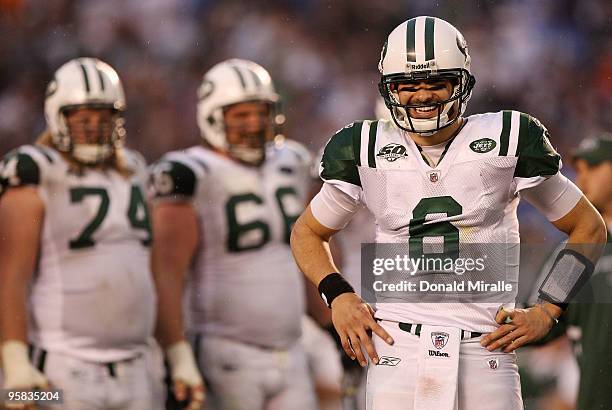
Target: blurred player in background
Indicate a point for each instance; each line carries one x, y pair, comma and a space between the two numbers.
433, 176
75, 251
588, 322
223, 213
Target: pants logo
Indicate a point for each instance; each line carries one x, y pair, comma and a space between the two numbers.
389, 361
439, 339
492, 362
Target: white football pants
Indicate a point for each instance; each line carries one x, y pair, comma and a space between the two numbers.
246, 377
486, 380
93, 386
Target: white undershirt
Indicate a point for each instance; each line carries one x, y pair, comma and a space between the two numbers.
434, 152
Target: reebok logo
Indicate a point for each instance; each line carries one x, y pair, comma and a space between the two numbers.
388, 361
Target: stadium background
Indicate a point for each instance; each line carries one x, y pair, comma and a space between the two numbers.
550, 58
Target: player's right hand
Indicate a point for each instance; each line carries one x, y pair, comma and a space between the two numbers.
187, 383
19, 373
353, 319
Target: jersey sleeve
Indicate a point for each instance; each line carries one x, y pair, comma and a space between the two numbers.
338, 165
24, 166
174, 178
537, 159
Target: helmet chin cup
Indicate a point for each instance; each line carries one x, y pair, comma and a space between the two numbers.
91, 154
247, 155
424, 126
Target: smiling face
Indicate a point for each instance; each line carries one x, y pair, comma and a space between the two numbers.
428, 93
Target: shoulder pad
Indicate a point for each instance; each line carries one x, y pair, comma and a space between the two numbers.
175, 175
302, 153
135, 161
341, 155
536, 155
25, 165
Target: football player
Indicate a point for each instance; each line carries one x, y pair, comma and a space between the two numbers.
75, 282
435, 179
223, 212
586, 323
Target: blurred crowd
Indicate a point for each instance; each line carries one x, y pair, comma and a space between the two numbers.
550, 58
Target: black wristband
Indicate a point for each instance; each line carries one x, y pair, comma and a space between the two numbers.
332, 286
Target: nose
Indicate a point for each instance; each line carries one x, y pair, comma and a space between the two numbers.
255, 121
422, 95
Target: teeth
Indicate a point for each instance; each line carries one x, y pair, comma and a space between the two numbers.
425, 109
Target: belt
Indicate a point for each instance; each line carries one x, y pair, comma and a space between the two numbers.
416, 330
39, 357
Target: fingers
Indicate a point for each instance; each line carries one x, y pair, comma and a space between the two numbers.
366, 341
180, 390
504, 316
521, 341
506, 340
493, 336
346, 345
198, 396
381, 332
356, 345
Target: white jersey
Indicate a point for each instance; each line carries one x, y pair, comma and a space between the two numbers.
92, 295
245, 284
470, 196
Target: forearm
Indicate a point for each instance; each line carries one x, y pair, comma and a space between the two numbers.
311, 252
13, 310
575, 263
169, 326
176, 237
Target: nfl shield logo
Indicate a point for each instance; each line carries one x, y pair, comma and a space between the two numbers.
493, 363
434, 176
439, 339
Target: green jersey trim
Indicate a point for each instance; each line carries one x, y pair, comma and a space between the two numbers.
372, 144
341, 155
536, 156
504, 138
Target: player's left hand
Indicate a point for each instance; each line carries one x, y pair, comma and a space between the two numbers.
518, 327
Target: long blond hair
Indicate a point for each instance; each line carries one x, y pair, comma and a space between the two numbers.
117, 160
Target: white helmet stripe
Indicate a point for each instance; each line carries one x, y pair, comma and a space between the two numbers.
420, 40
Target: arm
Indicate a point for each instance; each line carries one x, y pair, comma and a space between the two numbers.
587, 235
351, 317
175, 236
21, 220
